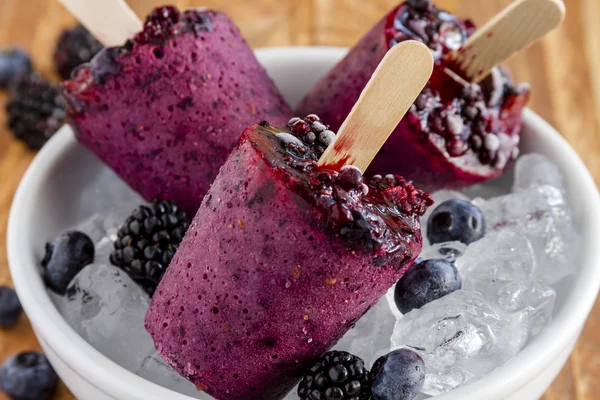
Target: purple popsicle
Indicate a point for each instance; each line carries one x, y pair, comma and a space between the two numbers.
457, 133
165, 110
280, 261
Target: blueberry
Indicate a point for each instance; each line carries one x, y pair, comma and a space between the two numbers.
456, 220
69, 253
425, 282
10, 307
397, 375
28, 376
14, 63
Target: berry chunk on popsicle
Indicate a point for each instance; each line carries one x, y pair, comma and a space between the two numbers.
458, 132
165, 110
285, 255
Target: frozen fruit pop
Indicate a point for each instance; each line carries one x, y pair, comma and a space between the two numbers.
282, 258
457, 133
166, 109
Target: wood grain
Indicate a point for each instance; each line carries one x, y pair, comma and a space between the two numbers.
562, 68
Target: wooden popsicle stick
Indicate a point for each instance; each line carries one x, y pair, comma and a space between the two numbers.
393, 88
112, 22
514, 28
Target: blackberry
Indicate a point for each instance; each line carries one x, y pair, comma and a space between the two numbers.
74, 47
337, 375
147, 241
36, 110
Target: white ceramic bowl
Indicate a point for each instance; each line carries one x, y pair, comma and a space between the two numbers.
48, 202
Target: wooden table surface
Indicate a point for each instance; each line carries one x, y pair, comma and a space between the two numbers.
563, 70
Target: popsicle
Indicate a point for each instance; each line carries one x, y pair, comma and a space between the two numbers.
458, 132
285, 255
165, 110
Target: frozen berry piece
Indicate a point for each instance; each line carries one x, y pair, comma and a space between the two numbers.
425, 282
36, 110
307, 138
167, 21
28, 376
69, 253
397, 375
74, 47
10, 307
419, 5
148, 240
14, 63
337, 375
439, 144
456, 220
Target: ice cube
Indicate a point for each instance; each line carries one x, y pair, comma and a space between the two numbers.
542, 215
540, 308
107, 309
293, 394
156, 370
536, 200
500, 266
105, 190
461, 337
536, 169
449, 251
556, 244
102, 229
370, 338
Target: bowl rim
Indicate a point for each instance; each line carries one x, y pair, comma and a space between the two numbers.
117, 381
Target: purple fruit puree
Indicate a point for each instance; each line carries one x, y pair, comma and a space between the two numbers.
165, 110
270, 275
441, 143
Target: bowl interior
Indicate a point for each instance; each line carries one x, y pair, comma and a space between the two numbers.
66, 184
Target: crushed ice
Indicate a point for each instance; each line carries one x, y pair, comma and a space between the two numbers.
507, 295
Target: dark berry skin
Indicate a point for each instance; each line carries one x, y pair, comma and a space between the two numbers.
28, 376
419, 5
425, 282
456, 220
74, 47
35, 110
14, 63
10, 307
398, 375
338, 375
65, 258
147, 241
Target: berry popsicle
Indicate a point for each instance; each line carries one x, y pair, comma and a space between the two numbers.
457, 133
282, 258
165, 110
291, 245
